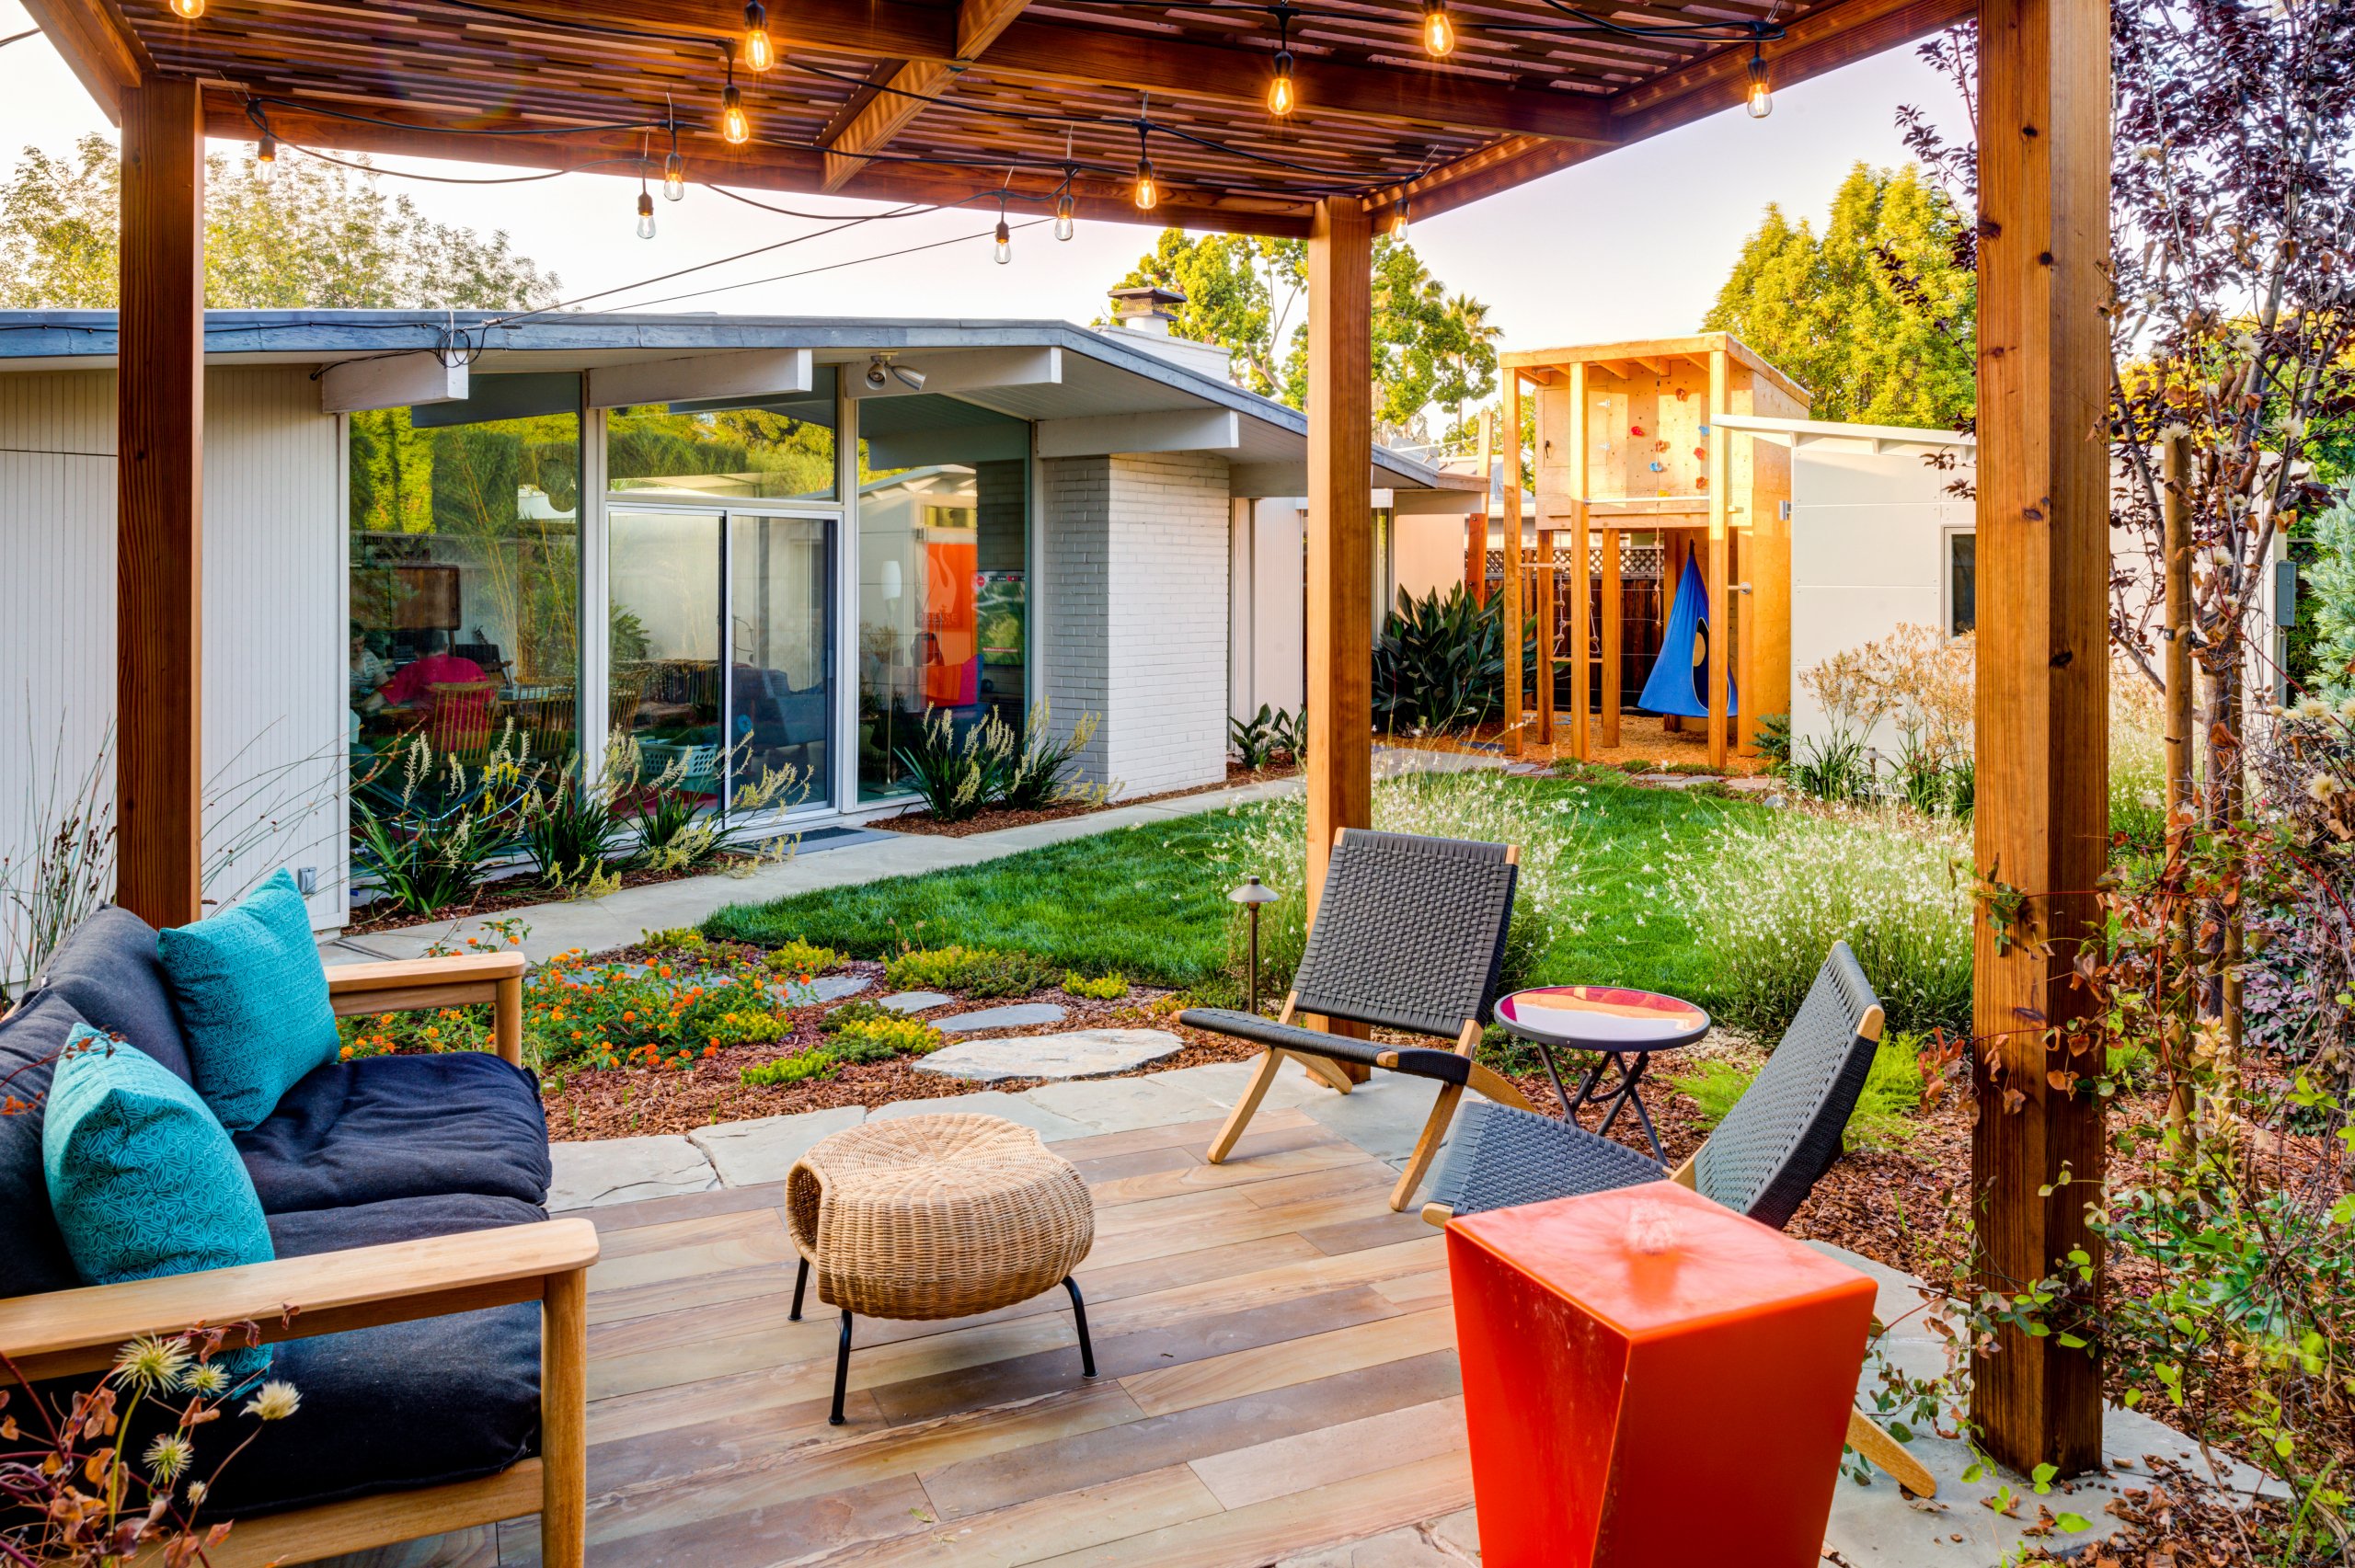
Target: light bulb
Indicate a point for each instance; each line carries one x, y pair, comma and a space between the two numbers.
1439, 28
1282, 97
187, 10
266, 159
1398, 220
645, 215
674, 179
1762, 95
1002, 251
735, 129
759, 53
1148, 191
1063, 225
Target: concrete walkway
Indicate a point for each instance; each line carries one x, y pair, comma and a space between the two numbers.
596, 925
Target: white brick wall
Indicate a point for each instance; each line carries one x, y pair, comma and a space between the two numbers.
1137, 580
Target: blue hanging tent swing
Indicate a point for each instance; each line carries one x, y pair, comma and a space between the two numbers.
1676, 683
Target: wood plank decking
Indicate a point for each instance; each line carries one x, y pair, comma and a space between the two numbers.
1276, 1359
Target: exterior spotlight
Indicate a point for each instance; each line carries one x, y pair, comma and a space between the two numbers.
1438, 29
877, 376
645, 215
674, 177
759, 53
1762, 95
265, 158
187, 10
1063, 225
735, 127
1282, 97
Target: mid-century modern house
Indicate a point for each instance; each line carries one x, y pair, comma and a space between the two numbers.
743, 542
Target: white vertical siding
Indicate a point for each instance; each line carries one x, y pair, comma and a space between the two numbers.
273, 614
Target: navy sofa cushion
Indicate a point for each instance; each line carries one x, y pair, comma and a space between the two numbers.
395, 1126
109, 972
306, 1232
33, 1258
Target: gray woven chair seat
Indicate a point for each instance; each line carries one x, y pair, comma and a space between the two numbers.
1501, 1158
1419, 1061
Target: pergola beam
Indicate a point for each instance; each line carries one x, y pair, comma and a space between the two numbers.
1821, 41
102, 54
913, 86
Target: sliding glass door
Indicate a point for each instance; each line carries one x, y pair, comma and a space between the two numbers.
721, 639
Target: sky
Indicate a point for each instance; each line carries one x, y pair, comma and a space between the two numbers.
1633, 245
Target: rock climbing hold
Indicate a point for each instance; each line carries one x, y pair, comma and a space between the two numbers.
1658, 466
1635, 429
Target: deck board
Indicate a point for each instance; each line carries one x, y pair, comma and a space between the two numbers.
1277, 1360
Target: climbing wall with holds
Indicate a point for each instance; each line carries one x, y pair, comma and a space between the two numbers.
1645, 431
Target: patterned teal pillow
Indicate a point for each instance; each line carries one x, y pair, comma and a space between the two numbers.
144, 1181
253, 1001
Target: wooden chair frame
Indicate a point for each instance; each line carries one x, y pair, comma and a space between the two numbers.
1490, 1083
74, 1332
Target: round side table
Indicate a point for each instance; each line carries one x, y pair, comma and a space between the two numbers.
1624, 1026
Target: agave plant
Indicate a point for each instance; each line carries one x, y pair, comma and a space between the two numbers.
1439, 664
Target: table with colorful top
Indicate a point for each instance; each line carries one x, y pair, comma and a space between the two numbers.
1623, 1025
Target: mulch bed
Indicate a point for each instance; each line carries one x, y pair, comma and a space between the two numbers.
991, 819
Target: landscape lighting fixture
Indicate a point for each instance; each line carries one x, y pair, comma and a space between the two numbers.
1438, 29
1762, 95
735, 128
759, 53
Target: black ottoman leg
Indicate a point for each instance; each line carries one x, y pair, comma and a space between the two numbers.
801, 1283
1079, 1315
841, 1372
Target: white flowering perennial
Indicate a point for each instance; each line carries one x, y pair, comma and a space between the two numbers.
1770, 896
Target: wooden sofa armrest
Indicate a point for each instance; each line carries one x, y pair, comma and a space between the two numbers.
417, 985
70, 1332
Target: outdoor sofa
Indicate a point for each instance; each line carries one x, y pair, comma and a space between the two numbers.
434, 1314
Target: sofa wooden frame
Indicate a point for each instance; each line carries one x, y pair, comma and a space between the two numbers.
74, 1332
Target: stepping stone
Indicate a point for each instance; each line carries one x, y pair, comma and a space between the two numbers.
747, 1153
623, 1169
833, 988
1021, 1015
1077, 1053
1677, 781
1015, 1108
916, 1000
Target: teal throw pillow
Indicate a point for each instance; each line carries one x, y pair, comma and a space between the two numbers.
253, 1001
143, 1180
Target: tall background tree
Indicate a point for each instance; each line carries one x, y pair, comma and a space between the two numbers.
318, 235
1874, 314
1431, 349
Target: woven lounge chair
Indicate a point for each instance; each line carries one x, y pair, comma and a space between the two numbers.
1763, 1161
1409, 935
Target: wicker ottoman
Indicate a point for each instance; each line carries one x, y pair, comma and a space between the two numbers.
936, 1217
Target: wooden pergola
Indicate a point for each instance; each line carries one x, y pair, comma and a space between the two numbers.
975, 100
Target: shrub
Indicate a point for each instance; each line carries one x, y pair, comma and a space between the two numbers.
1713, 1085
569, 826
1038, 773
976, 971
877, 1039
1273, 843
788, 1070
750, 1028
1265, 735
427, 835
1768, 898
1439, 663
799, 957
672, 939
956, 776
1774, 740
1111, 988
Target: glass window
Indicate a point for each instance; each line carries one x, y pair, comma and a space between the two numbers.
943, 573
780, 449
464, 589
1963, 583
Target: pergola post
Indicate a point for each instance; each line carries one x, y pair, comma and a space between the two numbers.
159, 525
1340, 529
2042, 804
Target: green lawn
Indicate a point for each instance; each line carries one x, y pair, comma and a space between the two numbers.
1149, 902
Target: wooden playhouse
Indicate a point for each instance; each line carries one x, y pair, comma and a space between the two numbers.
1630, 461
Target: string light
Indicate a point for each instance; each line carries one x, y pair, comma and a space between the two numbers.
1398, 220
759, 53
675, 168
1762, 95
735, 128
1282, 97
1063, 204
265, 158
187, 10
1147, 189
1003, 251
645, 212
1438, 29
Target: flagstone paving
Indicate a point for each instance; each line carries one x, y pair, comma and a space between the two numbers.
1020, 1015
1075, 1053
916, 1000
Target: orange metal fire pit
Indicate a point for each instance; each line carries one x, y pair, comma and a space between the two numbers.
1652, 1380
